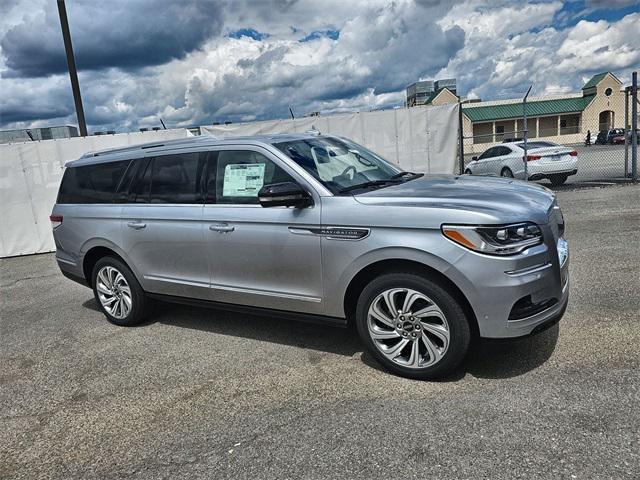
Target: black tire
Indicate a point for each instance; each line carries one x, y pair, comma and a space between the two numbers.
140, 304
468, 172
458, 324
506, 172
557, 180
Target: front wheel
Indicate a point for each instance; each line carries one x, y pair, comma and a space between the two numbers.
412, 326
468, 172
506, 172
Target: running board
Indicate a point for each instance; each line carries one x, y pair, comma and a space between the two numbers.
249, 309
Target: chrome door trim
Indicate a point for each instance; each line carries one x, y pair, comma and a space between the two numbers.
266, 293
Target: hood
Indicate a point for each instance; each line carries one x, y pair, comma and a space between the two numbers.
500, 200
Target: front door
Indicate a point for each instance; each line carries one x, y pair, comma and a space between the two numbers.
163, 233
257, 255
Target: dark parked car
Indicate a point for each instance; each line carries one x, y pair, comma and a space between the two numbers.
607, 136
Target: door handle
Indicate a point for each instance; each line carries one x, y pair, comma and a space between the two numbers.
136, 225
221, 228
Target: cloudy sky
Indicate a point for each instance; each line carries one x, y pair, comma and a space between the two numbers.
194, 62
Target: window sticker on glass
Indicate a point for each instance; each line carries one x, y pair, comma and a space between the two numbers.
243, 180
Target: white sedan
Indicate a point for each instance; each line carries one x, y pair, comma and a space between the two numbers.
544, 160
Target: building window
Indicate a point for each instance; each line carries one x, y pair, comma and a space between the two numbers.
608, 92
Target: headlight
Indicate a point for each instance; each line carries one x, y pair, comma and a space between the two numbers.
495, 240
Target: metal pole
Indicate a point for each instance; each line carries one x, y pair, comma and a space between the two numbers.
460, 137
626, 131
71, 62
634, 126
526, 133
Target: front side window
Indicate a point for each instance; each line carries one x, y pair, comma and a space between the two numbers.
339, 164
240, 174
91, 183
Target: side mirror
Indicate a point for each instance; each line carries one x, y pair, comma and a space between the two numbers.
474, 158
287, 194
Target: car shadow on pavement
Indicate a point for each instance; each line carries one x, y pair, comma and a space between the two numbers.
487, 358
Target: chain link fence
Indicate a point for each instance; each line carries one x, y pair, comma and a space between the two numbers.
603, 155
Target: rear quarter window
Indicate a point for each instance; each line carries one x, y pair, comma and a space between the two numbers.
91, 183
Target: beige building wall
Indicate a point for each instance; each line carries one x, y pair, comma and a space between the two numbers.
444, 97
603, 103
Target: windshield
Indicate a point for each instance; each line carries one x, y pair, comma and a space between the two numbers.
338, 163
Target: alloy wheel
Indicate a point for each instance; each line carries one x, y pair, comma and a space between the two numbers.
408, 328
114, 292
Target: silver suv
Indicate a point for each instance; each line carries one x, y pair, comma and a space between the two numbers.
318, 228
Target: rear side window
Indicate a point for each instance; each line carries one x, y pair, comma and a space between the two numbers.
91, 183
169, 179
176, 178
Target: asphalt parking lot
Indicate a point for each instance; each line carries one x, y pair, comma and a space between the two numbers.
204, 394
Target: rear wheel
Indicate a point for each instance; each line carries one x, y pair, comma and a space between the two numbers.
557, 180
506, 172
412, 326
118, 293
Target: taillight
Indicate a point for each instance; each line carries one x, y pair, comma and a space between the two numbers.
532, 157
573, 153
56, 220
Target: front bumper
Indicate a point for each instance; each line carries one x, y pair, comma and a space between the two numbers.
516, 296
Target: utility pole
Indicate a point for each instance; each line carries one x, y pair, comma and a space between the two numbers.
71, 63
526, 132
634, 126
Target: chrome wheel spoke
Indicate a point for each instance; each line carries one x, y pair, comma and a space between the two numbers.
437, 330
377, 313
434, 354
393, 351
380, 334
414, 358
430, 311
410, 299
389, 299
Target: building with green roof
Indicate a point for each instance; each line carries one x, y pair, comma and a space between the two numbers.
564, 119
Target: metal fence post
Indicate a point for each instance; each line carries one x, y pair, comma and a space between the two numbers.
627, 131
460, 137
526, 133
634, 126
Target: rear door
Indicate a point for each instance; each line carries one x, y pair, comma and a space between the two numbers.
162, 224
264, 257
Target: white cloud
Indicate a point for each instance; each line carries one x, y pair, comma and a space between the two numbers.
494, 49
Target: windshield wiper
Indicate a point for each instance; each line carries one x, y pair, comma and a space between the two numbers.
370, 183
404, 174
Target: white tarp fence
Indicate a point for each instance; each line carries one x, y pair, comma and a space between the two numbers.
419, 139
30, 174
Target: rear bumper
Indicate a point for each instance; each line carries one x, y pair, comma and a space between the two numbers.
540, 176
71, 271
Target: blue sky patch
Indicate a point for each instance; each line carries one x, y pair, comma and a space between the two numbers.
248, 32
332, 34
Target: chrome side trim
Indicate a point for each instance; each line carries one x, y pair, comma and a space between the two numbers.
334, 233
528, 270
175, 280
266, 293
